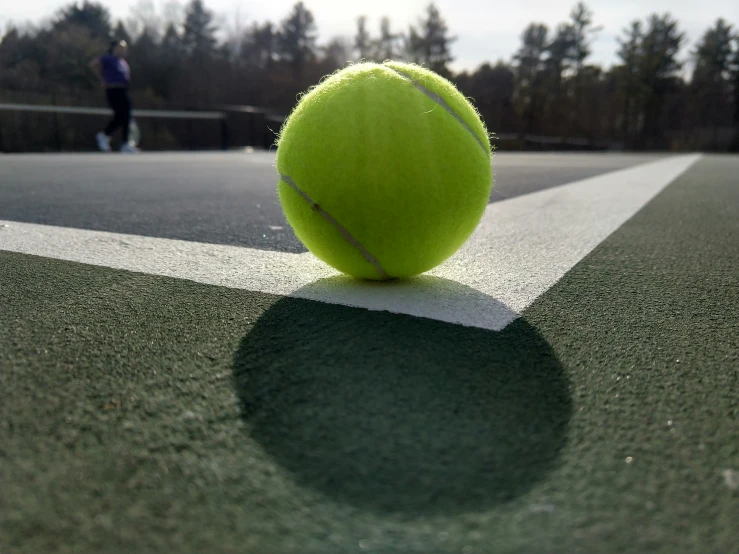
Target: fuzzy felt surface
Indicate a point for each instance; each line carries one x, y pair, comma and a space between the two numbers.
391, 155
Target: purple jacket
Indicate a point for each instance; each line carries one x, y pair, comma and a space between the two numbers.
115, 70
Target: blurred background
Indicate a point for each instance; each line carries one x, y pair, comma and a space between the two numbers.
544, 75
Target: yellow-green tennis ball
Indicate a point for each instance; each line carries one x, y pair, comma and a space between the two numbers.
384, 170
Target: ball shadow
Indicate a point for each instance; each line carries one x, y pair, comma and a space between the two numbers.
394, 413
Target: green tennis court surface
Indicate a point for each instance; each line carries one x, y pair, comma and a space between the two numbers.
145, 413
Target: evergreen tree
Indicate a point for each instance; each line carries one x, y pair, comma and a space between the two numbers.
93, 17
580, 35
628, 78
711, 82
659, 75
582, 31
388, 42
259, 45
297, 39
362, 40
493, 88
429, 43
734, 76
713, 54
337, 52
120, 33
559, 52
531, 59
199, 32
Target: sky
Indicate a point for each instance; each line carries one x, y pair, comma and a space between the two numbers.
486, 30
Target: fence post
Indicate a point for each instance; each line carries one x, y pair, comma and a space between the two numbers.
224, 131
56, 125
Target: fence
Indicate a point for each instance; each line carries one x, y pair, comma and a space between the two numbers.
44, 128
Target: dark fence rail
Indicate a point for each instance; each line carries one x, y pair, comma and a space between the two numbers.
28, 127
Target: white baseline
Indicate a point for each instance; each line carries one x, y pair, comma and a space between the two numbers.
521, 248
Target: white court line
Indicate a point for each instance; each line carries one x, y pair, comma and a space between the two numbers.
521, 248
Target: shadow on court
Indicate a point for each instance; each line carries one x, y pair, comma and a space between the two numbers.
400, 414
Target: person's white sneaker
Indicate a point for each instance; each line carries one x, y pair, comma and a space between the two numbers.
129, 148
103, 142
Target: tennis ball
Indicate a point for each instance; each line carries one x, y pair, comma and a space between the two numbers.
384, 170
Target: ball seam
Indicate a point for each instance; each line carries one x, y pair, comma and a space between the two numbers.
344, 232
436, 97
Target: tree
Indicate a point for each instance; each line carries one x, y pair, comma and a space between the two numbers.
493, 88
429, 43
233, 33
337, 52
143, 18
120, 33
93, 17
362, 40
532, 53
713, 54
630, 45
660, 47
198, 33
582, 31
559, 52
531, 57
79, 32
172, 42
151, 68
627, 76
388, 42
735, 83
659, 68
711, 82
297, 39
168, 63
259, 45
20, 61
556, 65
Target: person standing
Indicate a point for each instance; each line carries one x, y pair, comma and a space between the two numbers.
114, 73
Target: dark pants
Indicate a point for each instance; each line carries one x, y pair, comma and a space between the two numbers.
121, 105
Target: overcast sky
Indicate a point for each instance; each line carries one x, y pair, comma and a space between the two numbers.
486, 29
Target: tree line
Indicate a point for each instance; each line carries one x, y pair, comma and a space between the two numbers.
547, 95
